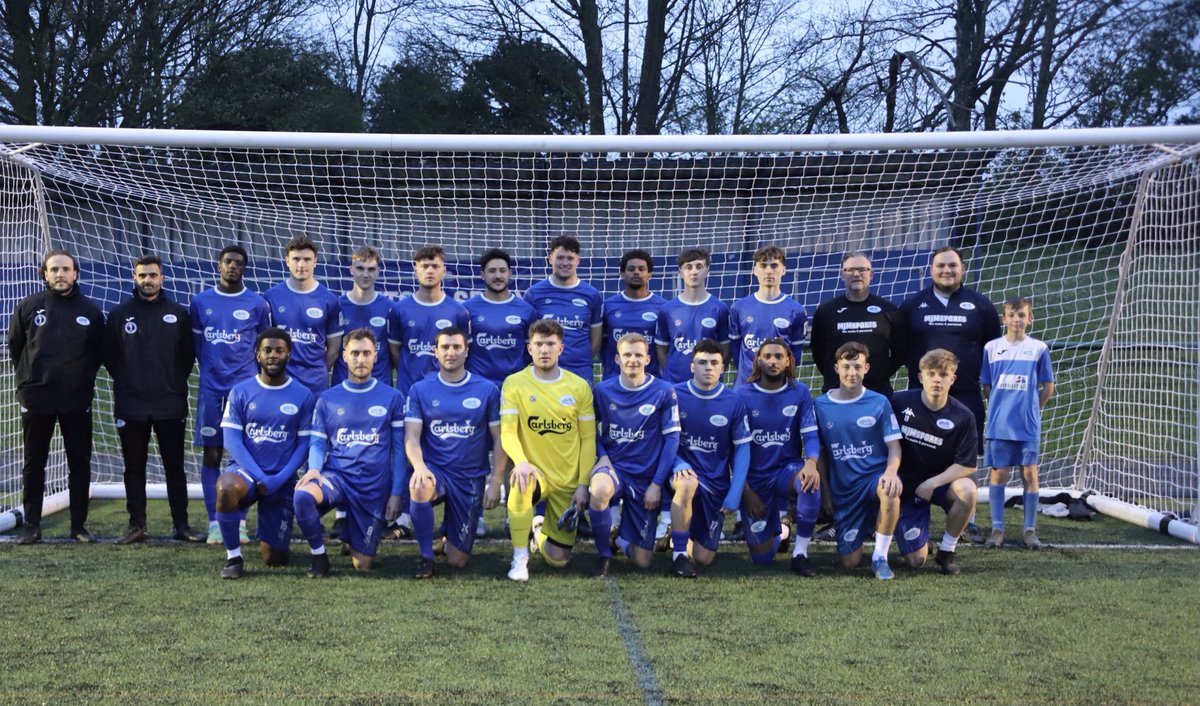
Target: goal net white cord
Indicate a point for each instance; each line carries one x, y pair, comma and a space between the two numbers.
1100, 228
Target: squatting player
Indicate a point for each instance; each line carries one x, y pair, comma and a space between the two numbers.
356, 458
451, 421
637, 420
690, 317
548, 429
572, 303
938, 451
767, 313
266, 428
861, 450
310, 313
784, 449
1019, 381
225, 321
714, 442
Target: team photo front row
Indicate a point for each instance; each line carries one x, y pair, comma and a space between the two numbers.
649, 456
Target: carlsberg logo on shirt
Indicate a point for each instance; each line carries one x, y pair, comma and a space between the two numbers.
451, 430
357, 437
767, 439
265, 434
621, 435
701, 445
216, 335
493, 342
544, 425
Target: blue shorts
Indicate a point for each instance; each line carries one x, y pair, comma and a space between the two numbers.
210, 407
275, 512
707, 519
912, 529
1001, 453
855, 517
774, 488
637, 523
463, 500
364, 512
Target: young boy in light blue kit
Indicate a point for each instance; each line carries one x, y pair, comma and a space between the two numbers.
1017, 380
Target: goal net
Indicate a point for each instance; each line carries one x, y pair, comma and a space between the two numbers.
1101, 229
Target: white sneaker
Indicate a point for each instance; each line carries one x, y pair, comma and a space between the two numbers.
481, 529
519, 570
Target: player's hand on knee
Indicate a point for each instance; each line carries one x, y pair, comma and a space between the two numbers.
581, 497
653, 496
810, 479
421, 478
312, 475
524, 475
682, 475
392, 510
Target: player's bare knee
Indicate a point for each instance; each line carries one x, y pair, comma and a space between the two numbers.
684, 488
917, 559
998, 475
423, 494
851, 560
1029, 475
601, 490
640, 557
456, 557
702, 557
963, 491
555, 555
231, 488
362, 562
272, 556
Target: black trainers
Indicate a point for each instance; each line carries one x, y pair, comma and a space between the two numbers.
946, 560
682, 567
81, 535
319, 566
600, 570
339, 525
973, 533
425, 568
828, 533
802, 566
738, 533
133, 536
187, 534
30, 534
232, 568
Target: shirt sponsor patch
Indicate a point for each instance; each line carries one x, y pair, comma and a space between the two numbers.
314, 312
781, 322
377, 410
472, 403
512, 319
241, 314
82, 320
874, 309
967, 306
646, 410
945, 424
865, 422
170, 318
707, 321
718, 420
288, 408
378, 321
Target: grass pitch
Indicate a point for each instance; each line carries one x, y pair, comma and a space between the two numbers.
1108, 616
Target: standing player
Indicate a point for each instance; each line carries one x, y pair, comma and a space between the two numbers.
364, 307
861, 452
225, 321
637, 417
355, 459
310, 314
1018, 381
150, 353
859, 315
959, 319
714, 440
499, 322
572, 303
767, 313
416, 319
548, 429
693, 315
633, 310
937, 457
451, 421
56, 339
265, 427
783, 457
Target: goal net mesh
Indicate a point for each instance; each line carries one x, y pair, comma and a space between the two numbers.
1104, 239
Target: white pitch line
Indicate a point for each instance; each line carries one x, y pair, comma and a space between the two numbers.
647, 680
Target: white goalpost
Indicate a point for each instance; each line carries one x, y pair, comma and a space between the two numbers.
1100, 228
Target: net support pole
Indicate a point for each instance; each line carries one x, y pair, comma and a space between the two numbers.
1144, 517
55, 502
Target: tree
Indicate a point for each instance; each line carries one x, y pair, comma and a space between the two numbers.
417, 95
359, 31
272, 86
525, 87
120, 62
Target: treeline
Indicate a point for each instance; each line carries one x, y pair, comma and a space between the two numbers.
599, 66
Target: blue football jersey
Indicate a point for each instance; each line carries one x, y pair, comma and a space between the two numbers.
456, 423
373, 315
752, 321
711, 424
310, 318
855, 435
622, 315
414, 326
577, 309
272, 420
782, 424
631, 424
358, 424
224, 327
682, 324
499, 331
1014, 371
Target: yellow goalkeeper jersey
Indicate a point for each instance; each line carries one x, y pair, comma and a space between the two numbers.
551, 424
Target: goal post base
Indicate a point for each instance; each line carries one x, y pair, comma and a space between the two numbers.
55, 502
